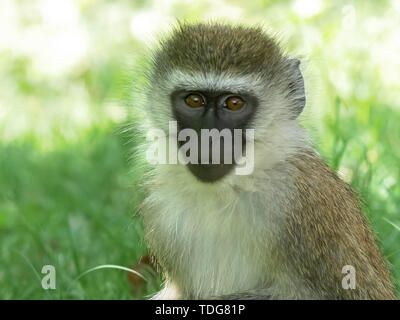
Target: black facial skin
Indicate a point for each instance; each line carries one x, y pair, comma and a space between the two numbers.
213, 114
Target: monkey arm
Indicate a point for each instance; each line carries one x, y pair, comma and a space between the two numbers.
169, 292
256, 294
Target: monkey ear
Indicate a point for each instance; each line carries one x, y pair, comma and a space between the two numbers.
296, 90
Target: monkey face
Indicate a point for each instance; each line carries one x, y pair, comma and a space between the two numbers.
219, 77
214, 110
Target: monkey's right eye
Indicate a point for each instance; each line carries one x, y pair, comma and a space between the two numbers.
194, 100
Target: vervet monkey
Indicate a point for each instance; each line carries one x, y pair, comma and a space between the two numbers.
285, 231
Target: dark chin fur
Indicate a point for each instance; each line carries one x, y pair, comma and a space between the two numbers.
210, 172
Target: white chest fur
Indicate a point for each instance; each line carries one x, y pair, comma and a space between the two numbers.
213, 239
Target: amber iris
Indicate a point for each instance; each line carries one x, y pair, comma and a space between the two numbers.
194, 100
234, 103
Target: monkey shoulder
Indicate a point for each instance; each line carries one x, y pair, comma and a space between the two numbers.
327, 230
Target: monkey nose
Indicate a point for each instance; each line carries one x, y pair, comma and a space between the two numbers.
209, 119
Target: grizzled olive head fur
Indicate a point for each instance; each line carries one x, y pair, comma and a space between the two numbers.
225, 53
219, 48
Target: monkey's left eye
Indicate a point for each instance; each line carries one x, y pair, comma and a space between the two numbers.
234, 103
194, 100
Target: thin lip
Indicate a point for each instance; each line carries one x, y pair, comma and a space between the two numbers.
211, 165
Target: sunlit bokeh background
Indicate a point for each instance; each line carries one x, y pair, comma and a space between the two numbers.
67, 191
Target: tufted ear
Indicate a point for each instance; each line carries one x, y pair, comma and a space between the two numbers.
296, 92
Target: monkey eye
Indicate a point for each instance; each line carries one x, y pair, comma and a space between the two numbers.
194, 100
234, 103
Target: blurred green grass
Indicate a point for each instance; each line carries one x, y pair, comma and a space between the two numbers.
72, 208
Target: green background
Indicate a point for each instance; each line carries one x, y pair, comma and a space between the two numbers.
68, 73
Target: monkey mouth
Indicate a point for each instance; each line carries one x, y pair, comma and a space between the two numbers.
210, 172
